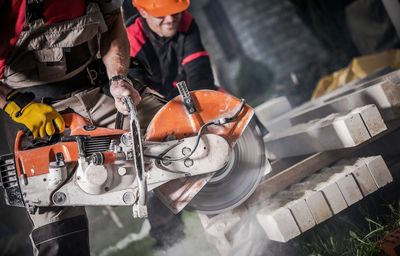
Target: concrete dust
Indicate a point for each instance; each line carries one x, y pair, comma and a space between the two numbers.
238, 233
249, 238
127, 240
195, 242
107, 239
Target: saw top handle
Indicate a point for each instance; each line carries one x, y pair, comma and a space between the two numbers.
131, 106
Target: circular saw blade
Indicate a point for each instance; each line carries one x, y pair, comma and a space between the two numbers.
232, 185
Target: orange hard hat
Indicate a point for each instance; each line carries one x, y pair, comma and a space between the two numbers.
161, 8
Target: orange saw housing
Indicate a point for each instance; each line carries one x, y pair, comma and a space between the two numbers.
36, 161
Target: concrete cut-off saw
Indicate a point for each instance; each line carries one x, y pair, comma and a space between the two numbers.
203, 148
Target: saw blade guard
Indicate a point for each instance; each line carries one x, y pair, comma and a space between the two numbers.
174, 121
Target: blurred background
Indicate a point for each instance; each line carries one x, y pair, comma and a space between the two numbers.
264, 49
259, 49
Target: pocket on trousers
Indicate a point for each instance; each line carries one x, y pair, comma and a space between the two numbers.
51, 63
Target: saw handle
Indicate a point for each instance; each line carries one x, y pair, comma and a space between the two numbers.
72, 121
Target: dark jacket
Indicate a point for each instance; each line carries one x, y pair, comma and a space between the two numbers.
161, 62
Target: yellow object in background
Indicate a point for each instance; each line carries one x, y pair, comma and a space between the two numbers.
357, 69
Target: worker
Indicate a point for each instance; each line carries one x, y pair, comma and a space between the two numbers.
166, 47
49, 61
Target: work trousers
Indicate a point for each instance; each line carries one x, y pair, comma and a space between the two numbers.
64, 230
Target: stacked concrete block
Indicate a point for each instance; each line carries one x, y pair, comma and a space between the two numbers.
333, 195
379, 92
379, 171
305, 190
314, 200
278, 222
372, 119
364, 178
269, 113
321, 196
272, 109
303, 215
282, 176
363, 174
348, 187
335, 131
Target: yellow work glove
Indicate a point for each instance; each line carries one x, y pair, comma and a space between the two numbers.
40, 119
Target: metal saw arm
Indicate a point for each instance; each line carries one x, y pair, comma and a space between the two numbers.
139, 209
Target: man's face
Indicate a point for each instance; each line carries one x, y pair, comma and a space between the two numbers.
163, 26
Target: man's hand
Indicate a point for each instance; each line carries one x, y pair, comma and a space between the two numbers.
115, 54
121, 88
40, 119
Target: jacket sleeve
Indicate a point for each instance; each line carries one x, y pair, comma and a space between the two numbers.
196, 62
109, 6
138, 70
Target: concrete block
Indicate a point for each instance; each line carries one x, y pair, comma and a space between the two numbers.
349, 189
351, 130
298, 207
302, 214
282, 121
279, 224
332, 132
321, 195
293, 174
379, 94
319, 207
315, 200
372, 119
338, 187
271, 109
334, 197
361, 174
364, 178
278, 124
343, 177
379, 170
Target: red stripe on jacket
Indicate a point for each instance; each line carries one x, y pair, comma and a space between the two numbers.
193, 56
136, 37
